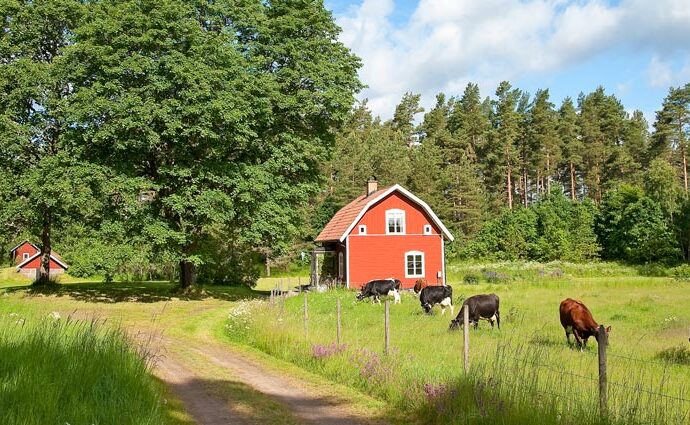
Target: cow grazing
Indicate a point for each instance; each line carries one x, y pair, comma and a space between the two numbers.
379, 287
483, 306
432, 295
419, 285
577, 320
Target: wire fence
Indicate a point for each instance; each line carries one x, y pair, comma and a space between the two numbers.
619, 398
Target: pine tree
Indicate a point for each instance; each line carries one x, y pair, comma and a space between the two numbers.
672, 131
571, 142
546, 145
502, 157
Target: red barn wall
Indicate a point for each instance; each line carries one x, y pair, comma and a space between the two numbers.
29, 269
25, 248
377, 255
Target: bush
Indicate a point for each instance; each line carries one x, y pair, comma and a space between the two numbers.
471, 279
677, 355
681, 272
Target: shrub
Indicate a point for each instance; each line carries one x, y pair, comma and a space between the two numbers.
471, 279
677, 355
681, 272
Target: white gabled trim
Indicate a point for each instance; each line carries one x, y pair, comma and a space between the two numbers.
409, 195
22, 243
347, 262
38, 254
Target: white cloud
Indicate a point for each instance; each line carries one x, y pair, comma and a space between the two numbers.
664, 73
446, 43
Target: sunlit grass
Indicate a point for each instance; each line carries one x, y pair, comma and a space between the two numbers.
522, 368
57, 371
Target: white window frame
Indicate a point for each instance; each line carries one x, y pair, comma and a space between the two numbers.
392, 214
427, 229
422, 272
362, 229
25, 256
341, 265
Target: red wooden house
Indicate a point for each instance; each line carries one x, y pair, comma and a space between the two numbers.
386, 233
27, 259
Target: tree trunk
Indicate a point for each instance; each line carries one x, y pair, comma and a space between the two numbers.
187, 274
43, 277
548, 173
685, 168
510, 189
524, 187
572, 181
268, 266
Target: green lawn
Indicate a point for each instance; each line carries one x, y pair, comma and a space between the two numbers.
524, 367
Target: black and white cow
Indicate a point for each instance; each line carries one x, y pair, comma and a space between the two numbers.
379, 287
484, 306
429, 296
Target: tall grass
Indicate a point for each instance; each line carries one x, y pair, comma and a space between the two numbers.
523, 373
59, 371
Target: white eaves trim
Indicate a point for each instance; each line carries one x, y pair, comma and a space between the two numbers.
409, 195
38, 254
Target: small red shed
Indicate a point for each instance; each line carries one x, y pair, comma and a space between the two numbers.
22, 252
386, 233
27, 259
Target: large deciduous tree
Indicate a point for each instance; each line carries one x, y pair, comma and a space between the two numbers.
46, 181
226, 108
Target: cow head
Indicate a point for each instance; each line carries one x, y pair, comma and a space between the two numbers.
419, 285
360, 296
455, 324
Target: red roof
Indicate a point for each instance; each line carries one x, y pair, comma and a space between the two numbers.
342, 220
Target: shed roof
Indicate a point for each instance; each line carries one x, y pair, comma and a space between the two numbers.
345, 219
53, 256
22, 243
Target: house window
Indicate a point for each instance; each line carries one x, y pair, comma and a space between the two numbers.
362, 229
414, 264
395, 222
25, 256
341, 265
427, 229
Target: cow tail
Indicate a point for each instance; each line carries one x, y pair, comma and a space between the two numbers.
498, 319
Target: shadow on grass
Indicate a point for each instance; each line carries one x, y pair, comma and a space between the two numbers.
144, 292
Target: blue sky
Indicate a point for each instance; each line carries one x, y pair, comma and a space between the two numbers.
636, 49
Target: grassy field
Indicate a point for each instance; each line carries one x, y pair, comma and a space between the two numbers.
59, 371
524, 369
186, 322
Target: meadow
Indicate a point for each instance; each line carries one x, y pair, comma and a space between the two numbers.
519, 373
60, 371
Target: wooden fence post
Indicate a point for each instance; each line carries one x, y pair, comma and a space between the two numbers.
306, 316
386, 323
466, 338
603, 341
338, 328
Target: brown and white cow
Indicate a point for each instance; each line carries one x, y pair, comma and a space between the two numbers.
577, 320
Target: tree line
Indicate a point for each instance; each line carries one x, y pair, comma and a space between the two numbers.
517, 177
194, 140
145, 133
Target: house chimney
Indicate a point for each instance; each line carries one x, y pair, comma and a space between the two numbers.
372, 185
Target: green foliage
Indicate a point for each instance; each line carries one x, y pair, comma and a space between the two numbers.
93, 374
677, 355
632, 227
227, 111
554, 228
